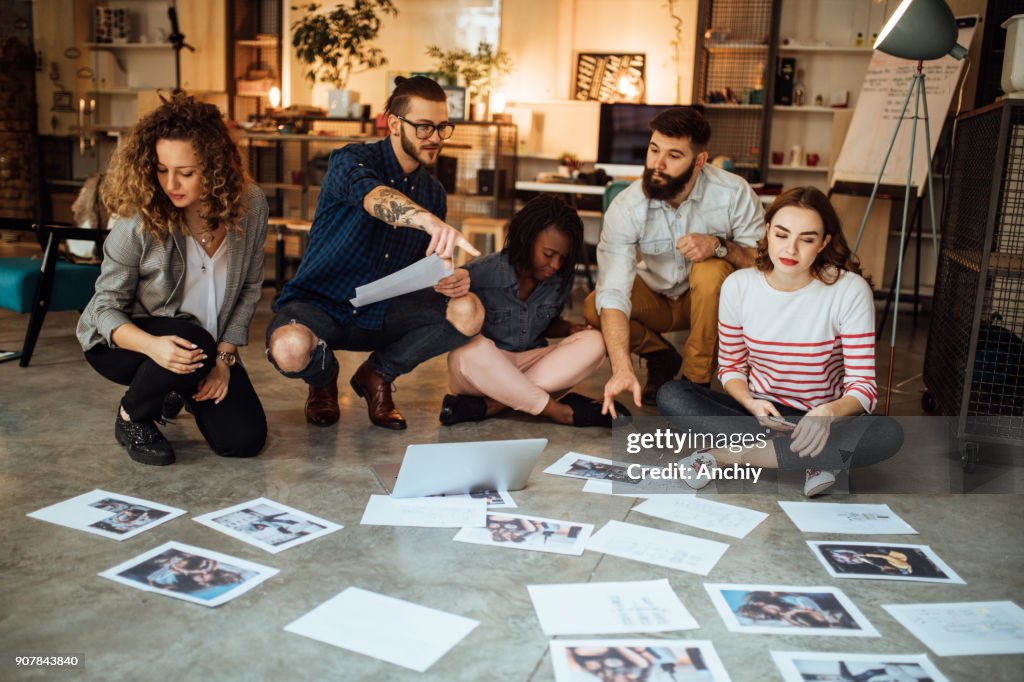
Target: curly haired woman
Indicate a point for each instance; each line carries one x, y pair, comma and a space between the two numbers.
181, 276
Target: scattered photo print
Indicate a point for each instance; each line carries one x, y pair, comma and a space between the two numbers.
650, 660
774, 609
527, 532
190, 573
588, 467
806, 666
268, 525
883, 561
111, 515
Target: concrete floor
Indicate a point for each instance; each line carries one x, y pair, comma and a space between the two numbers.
56, 441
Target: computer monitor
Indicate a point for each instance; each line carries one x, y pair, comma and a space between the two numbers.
624, 131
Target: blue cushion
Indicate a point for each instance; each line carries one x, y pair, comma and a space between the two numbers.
19, 277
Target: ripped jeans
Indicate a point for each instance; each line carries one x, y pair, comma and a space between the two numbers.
415, 329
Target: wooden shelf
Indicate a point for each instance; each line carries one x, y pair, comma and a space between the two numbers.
256, 43
736, 47
751, 107
825, 48
807, 110
799, 169
129, 46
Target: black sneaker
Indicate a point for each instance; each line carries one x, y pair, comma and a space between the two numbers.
145, 443
172, 405
462, 408
587, 411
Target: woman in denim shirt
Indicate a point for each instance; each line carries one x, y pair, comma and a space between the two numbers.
523, 289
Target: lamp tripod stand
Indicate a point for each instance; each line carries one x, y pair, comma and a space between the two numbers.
919, 93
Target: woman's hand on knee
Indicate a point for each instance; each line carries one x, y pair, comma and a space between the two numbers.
175, 354
764, 410
214, 385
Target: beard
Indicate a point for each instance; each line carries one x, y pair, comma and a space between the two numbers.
669, 187
410, 147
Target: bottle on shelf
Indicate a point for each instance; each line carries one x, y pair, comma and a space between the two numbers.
859, 40
798, 89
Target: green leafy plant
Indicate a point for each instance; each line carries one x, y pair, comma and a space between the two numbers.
336, 44
481, 72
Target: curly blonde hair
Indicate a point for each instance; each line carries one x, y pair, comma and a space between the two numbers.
131, 186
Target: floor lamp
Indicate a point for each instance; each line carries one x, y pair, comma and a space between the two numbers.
918, 30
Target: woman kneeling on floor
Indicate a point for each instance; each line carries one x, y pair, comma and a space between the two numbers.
523, 289
796, 336
181, 276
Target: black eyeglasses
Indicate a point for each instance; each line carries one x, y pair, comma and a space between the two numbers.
425, 131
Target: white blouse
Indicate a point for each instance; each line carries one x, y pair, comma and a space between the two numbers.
205, 279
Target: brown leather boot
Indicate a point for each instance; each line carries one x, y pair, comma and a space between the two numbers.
368, 384
662, 366
322, 405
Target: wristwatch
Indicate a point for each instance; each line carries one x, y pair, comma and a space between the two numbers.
722, 251
229, 358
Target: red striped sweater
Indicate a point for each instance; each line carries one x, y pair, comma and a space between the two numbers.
800, 348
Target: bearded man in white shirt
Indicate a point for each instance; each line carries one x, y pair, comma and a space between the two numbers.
692, 224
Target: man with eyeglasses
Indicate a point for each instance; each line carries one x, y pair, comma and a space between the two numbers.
379, 211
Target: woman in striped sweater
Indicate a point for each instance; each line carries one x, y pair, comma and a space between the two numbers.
796, 344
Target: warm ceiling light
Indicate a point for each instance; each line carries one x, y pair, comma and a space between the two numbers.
275, 97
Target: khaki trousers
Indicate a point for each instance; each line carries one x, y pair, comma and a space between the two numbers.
696, 310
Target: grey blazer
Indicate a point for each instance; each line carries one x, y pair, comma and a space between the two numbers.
144, 277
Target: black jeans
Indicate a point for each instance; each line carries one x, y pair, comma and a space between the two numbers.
415, 329
237, 427
857, 442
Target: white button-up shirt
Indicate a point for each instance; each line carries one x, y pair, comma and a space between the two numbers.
205, 279
721, 204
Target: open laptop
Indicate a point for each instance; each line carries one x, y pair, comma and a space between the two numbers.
458, 468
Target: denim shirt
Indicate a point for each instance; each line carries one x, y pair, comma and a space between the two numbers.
512, 323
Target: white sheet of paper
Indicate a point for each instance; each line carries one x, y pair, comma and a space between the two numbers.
839, 517
964, 628
658, 547
702, 513
605, 488
121, 516
800, 666
519, 531
688, 659
182, 571
424, 512
609, 608
424, 273
271, 526
383, 627
838, 616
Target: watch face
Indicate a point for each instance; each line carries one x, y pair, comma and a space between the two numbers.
721, 252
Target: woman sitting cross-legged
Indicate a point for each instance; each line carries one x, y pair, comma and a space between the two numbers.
523, 289
181, 276
796, 342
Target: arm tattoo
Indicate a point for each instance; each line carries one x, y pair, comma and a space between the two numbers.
394, 208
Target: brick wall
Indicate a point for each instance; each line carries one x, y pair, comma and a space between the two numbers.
19, 173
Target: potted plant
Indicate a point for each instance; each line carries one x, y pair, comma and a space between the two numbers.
481, 72
336, 43
569, 165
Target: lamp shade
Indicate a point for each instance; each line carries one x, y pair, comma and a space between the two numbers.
921, 29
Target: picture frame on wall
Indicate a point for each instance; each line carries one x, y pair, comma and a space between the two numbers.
456, 102
610, 78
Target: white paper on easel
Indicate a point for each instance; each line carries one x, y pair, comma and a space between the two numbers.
422, 274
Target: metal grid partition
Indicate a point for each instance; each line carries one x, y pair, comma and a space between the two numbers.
478, 170
974, 362
735, 78
254, 56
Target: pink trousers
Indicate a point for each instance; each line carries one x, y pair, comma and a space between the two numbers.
526, 380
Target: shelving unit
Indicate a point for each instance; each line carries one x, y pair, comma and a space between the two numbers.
820, 36
733, 79
253, 56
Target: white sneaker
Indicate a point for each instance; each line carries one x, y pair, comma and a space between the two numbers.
818, 481
697, 468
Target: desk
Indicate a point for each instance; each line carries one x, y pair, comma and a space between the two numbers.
559, 187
